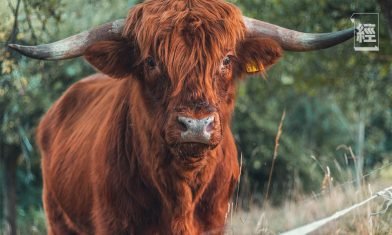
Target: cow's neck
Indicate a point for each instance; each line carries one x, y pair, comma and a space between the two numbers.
179, 182
181, 186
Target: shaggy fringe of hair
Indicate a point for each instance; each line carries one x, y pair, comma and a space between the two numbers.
191, 36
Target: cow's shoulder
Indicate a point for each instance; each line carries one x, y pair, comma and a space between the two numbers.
82, 108
88, 95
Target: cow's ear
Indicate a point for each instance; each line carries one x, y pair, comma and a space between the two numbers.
114, 58
256, 54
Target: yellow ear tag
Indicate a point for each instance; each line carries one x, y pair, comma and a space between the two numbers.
253, 68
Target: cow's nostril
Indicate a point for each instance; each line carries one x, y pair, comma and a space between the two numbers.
183, 126
210, 126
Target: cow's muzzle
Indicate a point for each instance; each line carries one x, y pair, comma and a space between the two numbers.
196, 130
192, 134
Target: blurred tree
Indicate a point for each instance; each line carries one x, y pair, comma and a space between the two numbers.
28, 87
386, 7
332, 98
8, 161
15, 89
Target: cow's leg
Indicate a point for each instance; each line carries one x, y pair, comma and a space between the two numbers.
56, 221
108, 222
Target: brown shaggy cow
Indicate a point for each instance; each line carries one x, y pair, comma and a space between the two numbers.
145, 146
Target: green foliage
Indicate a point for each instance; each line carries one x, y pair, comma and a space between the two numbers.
325, 93
32, 221
28, 87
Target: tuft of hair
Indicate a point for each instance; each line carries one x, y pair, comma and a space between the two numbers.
186, 36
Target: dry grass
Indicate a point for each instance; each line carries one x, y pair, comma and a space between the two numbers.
292, 214
371, 218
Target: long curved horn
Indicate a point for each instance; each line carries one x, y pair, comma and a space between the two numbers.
73, 46
291, 40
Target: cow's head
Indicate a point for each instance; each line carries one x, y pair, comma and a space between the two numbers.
186, 57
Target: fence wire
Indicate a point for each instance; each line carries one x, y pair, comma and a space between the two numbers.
386, 194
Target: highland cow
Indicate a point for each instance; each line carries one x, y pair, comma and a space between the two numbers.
145, 146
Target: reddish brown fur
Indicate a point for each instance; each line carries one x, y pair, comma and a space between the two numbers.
112, 163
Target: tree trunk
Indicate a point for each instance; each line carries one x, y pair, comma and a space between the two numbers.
9, 164
360, 149
8, 159
386, 8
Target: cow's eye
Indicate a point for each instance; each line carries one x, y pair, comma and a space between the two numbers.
226, 61
150, 62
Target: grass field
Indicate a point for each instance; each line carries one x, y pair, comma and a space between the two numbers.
306, 209
294, 213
